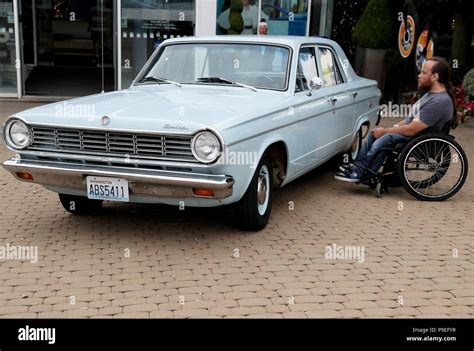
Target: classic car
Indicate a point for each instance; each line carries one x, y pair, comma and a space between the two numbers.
208, 121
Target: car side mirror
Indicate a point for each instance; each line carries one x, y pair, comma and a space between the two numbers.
315, 83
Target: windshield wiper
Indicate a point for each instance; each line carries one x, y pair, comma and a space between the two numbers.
225, 81
159, 80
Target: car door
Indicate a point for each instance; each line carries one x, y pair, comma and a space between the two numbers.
340, 98
316, 120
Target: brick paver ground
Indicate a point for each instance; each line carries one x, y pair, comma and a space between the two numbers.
156, 261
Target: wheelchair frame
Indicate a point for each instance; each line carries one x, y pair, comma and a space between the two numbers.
389, 175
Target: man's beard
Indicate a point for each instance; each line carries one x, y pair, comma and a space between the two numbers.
423, 88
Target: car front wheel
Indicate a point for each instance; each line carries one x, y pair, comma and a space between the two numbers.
356, 145
253, 210
79, 204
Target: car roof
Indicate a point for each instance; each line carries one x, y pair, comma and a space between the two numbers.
293, 41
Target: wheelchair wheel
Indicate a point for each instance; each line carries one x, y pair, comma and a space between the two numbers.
432, 167
442, 156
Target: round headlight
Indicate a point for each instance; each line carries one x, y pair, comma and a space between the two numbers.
206, 147
19, 134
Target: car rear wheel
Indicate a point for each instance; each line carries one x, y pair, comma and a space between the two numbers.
79, 205
253, 210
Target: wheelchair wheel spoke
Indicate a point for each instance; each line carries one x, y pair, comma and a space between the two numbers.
427, 153
442, 151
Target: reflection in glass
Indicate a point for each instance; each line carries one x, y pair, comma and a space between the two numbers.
238, 17
67, 47
331, 73
286, 17
306, 69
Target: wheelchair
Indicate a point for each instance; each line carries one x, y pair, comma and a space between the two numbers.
431, 166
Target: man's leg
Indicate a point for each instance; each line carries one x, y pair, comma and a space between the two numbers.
375, 156
351, 172
366, 145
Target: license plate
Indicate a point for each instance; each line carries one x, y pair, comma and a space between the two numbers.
105, 188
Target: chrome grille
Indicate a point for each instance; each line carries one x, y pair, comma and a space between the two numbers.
93, 142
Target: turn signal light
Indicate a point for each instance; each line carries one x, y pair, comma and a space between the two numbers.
203, 192
24, 175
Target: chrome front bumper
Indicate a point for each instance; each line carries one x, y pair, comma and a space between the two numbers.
141, 181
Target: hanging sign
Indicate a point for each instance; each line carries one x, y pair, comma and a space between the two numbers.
406, 36
424, 48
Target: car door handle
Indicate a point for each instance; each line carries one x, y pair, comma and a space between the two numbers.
354, 95
332, 101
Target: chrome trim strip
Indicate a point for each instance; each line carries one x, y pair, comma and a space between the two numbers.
137, 131
286, 125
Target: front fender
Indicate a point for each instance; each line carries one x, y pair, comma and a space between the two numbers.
241, 159
371, 118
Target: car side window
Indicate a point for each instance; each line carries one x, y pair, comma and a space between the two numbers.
331, 73
307, 68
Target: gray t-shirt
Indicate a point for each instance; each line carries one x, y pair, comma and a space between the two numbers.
433, 109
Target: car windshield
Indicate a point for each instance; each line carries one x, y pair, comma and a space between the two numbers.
232, 64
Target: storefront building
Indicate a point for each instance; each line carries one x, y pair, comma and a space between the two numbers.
64, 48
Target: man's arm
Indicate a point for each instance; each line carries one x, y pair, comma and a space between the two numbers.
402, 123
406, 130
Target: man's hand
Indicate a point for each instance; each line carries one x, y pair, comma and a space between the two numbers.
378, 132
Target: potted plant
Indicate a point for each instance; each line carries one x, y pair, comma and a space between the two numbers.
373, 35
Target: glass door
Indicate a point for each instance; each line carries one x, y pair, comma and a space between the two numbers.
145, 24
68, 47
8, 50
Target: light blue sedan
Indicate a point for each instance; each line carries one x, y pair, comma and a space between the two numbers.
208, 121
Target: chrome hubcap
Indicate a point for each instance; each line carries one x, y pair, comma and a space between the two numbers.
263, 185
355, 146
262, 190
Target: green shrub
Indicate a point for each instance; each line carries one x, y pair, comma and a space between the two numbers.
468, 83
235, 17
374, 28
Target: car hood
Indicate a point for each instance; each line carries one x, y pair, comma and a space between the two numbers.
161, 108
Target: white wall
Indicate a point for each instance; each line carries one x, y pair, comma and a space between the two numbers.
206, 11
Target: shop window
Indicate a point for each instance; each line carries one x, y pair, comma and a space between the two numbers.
146, 24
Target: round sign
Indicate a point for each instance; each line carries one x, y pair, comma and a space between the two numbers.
406, 36
424, 49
